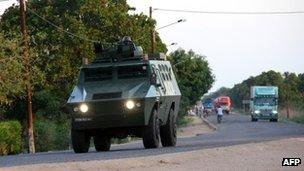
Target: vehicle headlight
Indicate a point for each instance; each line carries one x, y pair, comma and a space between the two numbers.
257, 112
130, 104
275, 112
84, 108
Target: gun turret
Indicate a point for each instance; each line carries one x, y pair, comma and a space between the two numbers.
123, 50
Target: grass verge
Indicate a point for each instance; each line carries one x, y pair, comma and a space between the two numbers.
185, 121
298, 119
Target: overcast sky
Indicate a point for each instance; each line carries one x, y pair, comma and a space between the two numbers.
236, 46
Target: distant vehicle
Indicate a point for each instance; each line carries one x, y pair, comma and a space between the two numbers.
208, 106
124, 92
224, 102
264, 103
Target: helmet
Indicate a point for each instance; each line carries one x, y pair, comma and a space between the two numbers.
126, 39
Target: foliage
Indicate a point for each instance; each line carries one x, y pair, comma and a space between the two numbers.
183, 122
10, 137
11, 84
11, 75
48, 105
298, 119
51, 135
194, 76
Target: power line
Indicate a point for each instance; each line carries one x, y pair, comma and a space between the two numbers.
63, 30
231, 12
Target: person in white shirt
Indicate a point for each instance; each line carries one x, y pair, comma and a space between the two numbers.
219, 114
220, 111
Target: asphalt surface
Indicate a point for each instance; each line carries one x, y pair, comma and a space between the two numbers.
234, 129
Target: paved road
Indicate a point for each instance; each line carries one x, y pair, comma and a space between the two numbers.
235, 129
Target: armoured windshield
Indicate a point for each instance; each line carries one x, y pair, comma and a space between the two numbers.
135, 71
109, 73
265, 101
97, 74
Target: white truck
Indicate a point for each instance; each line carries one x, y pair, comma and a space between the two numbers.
264, 103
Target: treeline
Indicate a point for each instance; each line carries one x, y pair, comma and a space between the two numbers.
291, 90
56, 53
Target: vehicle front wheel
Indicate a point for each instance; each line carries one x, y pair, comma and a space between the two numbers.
80, 141
168, 131
151, 132
254, 120
273, 120
102, 143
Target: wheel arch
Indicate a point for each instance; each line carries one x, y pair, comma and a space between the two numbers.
149, 109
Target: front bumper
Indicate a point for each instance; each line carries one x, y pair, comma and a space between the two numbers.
265, 116
107, 114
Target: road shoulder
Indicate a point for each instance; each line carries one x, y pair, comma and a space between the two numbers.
254, 156
195, 128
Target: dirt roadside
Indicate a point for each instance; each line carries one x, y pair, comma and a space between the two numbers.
196, 127
253, 156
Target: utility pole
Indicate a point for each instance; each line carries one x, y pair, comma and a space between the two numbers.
27, 83
152, 34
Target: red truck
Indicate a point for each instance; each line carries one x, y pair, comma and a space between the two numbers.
224, 102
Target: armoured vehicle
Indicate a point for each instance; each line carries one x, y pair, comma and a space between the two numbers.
124, 93
264, 103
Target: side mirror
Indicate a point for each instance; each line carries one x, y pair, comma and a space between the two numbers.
153, 79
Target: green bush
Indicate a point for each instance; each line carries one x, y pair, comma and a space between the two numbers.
47, 105
183, 122
51, 135
10, 137
298, 119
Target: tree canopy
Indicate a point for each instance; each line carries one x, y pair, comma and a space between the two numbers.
194, 76
11, 70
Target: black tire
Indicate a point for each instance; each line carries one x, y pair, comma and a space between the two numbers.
151, 132
168, 131
102, 143
80, 141
273, 120
254, 120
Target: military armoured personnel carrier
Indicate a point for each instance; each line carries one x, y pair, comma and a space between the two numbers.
124, 93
